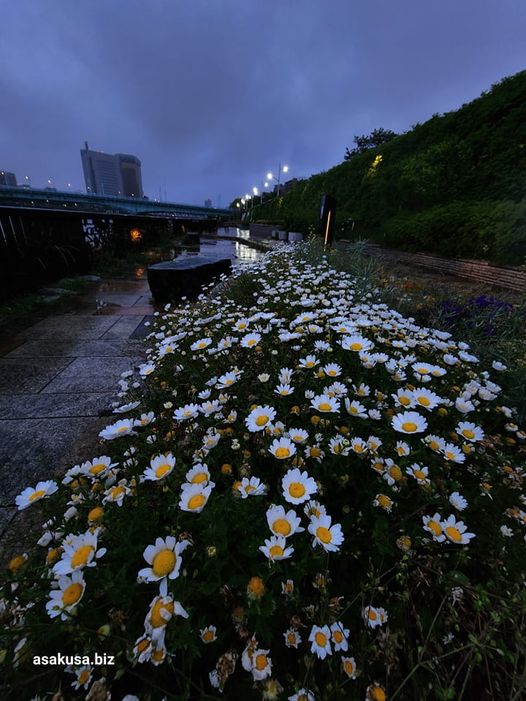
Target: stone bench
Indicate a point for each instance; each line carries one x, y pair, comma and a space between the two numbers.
185, 277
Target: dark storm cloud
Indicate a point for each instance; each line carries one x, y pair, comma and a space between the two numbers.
210, 94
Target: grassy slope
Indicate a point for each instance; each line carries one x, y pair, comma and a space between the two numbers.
453, 185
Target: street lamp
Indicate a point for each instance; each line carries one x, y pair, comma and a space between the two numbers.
281, 169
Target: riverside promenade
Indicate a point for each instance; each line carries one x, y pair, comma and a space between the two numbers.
58, 378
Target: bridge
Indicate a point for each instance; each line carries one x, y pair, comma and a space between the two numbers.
46, 234
29, 198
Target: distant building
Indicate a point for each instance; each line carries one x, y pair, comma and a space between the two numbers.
208, 203
8, 179
111, 174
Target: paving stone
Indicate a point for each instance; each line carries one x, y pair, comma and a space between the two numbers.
28, 375
122, 300
39, 449
124, 327
77, 348
63, 405
68, 326
91, 375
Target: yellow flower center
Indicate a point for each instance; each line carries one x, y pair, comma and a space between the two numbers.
309, 364
83, 676
433, 445
321, 639
323, 534
409, 426
348, 667
122, 429
81, 556
356, 346
454, 534
404, 400
208, 636
282, 453
281, 526
291, 638
37, 495
324, 406
256, 587
435, 527
315, 452
158, 655
378, 694
424, 401
262, 419
156, 619
276, 551
296, 490
419, 474
372, 615
199, 477
162, 470
384, 501
201, 345
116, 492
98, 468
164, 562
468, 433
337, 636
72, 594
143, 645
396, 473
251, 342
260, 662
196, 502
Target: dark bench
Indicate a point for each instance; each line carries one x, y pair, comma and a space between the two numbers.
185, 277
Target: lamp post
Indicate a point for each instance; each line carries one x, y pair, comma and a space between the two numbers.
281, 169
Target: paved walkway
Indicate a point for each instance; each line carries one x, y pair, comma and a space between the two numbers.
58, 378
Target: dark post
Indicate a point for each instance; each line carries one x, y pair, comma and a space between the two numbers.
327, 216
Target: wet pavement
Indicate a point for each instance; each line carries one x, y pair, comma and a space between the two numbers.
58, 380
59, 375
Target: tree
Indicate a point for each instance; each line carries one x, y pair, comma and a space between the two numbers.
376, 138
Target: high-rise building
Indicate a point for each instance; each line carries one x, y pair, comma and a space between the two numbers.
111, 174
8, 179
208, 203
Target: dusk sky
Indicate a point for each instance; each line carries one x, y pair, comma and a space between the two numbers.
211, 94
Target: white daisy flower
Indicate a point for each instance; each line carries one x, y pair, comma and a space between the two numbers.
349, 667
433, 525
194, 497
339, 637
298, 486
199, 474
470, 431
164, 559
121, 428
325, 404
259, 418
374, 616
160, 466
409, 422
356, 343
201, 344
250, 340
457, 501
320, 637
292, 638
420, 473
208, 634
252, 487
188, 411
329, 537
282, 448
313, 509
455, 531
275, 548
283, 523
63, 601
310, 361
32, 494
79, 551
261, 665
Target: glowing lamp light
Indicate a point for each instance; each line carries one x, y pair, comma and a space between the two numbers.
285, 169
136, 235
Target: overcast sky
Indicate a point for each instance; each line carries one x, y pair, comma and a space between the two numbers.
211, 94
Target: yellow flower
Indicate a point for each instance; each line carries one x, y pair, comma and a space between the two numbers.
255, 588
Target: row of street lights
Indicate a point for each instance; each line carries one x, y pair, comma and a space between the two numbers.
255, 191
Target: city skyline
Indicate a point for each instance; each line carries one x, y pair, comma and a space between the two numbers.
211, 96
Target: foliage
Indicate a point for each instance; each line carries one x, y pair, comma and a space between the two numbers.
455, 184
378, 137
298, 367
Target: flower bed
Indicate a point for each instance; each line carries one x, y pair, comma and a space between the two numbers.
309, 497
